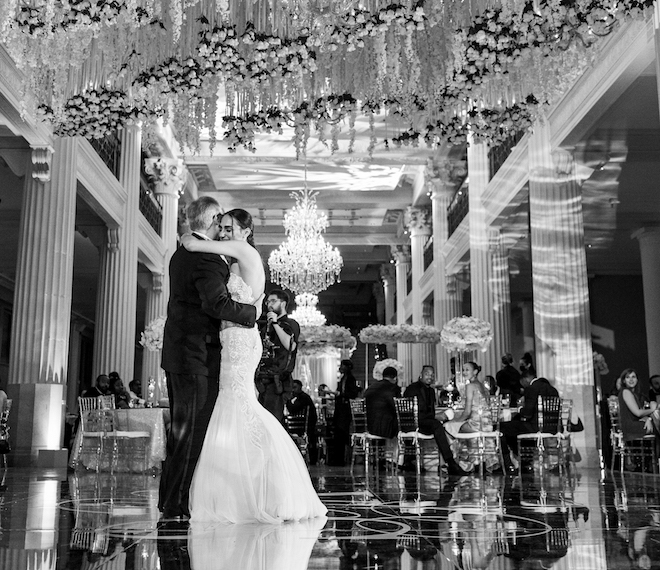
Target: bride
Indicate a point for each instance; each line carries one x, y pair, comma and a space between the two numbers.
250, 470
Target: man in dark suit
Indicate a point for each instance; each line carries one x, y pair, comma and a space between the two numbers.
379, 400
191, 352
300, 403
508, 380
428, 422
526, 421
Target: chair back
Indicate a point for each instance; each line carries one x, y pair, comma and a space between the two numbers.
566, 410
92, 417
549, 414
359, 415
107, 402
491, 420
407, 414
297, 423
616, 433
4, 419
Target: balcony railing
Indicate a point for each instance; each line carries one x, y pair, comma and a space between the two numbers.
109, 149
409, 283
150, 208
458, 209
497, 155
428, 253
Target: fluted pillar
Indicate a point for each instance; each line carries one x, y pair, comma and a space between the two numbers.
114, 341
401, 255
418, 223
387, 278
559, 279
500, 287
442, 191
649, 246
480, 262
42, 303
154, 309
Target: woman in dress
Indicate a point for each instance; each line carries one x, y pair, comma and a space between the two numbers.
475, 417
249, 470
634, 408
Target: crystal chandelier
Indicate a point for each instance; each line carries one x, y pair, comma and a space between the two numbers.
306, 313
305, 262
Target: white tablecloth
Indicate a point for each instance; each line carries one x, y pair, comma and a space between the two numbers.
151, 420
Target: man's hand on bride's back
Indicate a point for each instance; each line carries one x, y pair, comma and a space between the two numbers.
189, 242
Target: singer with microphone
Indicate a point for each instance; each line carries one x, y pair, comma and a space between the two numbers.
279, 334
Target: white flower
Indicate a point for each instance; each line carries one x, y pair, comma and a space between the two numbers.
152, 337
466, 333
383, 364
379, 334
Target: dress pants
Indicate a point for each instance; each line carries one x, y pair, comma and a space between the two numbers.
509, 439
192, 399
434, 427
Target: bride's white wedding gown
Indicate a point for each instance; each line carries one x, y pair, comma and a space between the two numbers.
250, 470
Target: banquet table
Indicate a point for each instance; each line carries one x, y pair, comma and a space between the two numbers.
151, 420
505, 413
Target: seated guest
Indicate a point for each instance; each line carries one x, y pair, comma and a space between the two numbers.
526, 421
101, 387
299, 403
122, 398
381, 411
135, 392
634, 408
654, 389
475, 417
508, 380
428, 422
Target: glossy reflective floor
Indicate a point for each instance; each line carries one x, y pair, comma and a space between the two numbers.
57, 520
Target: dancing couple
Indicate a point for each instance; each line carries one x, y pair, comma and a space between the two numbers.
228, 458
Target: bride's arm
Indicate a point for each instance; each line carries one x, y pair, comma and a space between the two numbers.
237, 249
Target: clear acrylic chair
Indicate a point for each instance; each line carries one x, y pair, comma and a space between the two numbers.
296, 425
640, 451
362, 442
548, 440
409, 438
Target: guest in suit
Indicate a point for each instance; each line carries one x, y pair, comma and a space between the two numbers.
526, 421
299, 403
100, 388
428, 422
508, 380
379, 400
347, 390
199, 300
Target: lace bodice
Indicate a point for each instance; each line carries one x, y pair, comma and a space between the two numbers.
239, 290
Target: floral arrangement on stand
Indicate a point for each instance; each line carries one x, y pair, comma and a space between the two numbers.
466, 334
600, 365
308, 67
381, 334
152, 337
383, 364
324, 340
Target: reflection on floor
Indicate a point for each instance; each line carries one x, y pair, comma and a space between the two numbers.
64, 520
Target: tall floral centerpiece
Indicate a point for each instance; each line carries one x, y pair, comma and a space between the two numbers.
462, 335
386, 363
152, 340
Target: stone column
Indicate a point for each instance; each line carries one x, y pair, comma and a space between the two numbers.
401, 255
115, 337
559, 279
649, 246
41, 317
418, 223
442, 190
387, 278
480, 262
500, 287
154, 309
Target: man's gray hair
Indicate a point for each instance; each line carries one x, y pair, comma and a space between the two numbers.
201, 212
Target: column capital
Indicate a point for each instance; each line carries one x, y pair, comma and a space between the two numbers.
169, 174
563, 161
494, 239
157, 280
647, 234
400, 253
451, 284
417, 220
42, 157
443, 177
113, 240
387, 272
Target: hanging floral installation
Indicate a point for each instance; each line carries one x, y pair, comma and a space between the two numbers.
436, 70
466, 334
381, 334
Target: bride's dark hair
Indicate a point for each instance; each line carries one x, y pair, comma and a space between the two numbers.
244, 220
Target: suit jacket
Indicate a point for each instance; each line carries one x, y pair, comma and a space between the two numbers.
199, 300
298, 404
425, 400
381, 413
540, 387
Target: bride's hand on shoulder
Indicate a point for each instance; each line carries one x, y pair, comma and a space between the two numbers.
190, 242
